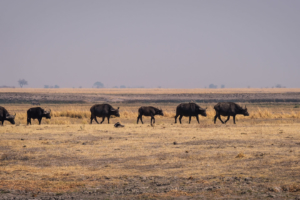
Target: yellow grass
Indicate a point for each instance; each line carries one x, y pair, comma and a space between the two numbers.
60, 158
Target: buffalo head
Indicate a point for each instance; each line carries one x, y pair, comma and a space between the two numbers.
245, 111
115, 112
159, 112
47, 114
11, 118
202, 111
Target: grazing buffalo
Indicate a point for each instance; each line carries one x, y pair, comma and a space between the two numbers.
4, 115
149, 111
37, 113
189, 110
103, 110
229, 109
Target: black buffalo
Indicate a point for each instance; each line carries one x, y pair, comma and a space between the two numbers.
103, 110
229, 109
37, 113
189, 110
149, 111
4, 115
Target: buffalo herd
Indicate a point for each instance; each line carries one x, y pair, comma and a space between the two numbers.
190, 109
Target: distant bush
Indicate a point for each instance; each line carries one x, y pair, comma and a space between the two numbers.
50, 86
213, 86
122, 86
4, 86
98, 84
22, 82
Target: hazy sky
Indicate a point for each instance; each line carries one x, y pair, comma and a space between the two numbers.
167, 43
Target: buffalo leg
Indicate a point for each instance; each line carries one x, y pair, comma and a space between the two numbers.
180, 118
108, 119
227, 119
153, 119
190, 119
92, 119
197, 119
176, 119
138, 118
28, 121
219, 117
142, 119
40, 121
215, 118
96, 119
2, 122
102, 120
234, 119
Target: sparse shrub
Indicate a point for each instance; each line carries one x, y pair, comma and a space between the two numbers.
240, 155
296, 106
72, 114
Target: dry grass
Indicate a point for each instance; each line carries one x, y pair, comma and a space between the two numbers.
61, 158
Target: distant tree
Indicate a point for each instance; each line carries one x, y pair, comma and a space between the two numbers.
80, 86
212, 86
22, 82
223, 86
56, 86
46, 86
98, 84
115, 87
122, 86
278, 86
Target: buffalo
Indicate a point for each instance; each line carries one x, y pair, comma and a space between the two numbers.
229, 109
189, 110
37, 113
4, 115
103, 110
149, 111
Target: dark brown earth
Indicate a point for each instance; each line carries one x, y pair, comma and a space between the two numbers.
132, 98
142, 187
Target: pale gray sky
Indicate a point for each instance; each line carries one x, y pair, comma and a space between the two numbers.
168, 43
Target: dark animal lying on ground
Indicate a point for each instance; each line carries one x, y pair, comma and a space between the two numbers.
37, 113
4, 115
103, 110
118, 124
189, 110
229, 109
148, 111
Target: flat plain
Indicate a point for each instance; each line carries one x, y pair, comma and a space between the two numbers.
68, 158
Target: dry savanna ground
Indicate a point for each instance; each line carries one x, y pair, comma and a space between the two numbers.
66, 157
